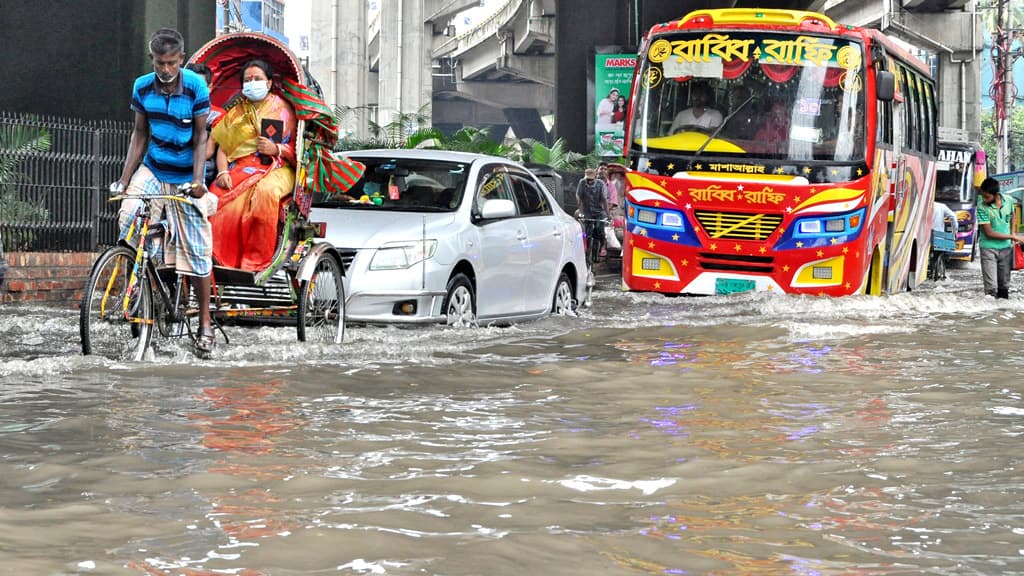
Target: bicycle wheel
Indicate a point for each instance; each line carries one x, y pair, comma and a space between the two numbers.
593, 248
322, 303
107, 325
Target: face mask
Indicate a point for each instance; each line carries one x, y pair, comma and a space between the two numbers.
255, 90
167, 79
590, 180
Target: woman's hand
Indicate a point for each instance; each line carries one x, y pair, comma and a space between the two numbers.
266, 146
224, 180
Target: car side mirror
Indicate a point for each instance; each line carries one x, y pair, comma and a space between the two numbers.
497, 208
885, 85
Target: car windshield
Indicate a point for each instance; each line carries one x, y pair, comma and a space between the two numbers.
404, 185
751, 95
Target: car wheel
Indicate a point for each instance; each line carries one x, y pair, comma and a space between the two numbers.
460, 303
562, 304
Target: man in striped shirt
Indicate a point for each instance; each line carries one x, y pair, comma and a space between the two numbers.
167, 149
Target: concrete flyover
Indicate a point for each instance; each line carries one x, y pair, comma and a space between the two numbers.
500, 73
504, 71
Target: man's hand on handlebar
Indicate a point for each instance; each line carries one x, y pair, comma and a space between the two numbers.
116, 188
192, 189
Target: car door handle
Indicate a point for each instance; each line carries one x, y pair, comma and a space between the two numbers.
557, 233
520, 235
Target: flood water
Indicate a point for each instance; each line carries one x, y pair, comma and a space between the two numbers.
749, 434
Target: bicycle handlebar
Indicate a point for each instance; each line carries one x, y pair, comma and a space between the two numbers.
184, 193
151, 197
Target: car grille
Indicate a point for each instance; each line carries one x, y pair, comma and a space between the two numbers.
737, 225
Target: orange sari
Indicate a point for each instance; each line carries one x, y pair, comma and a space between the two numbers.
245, 226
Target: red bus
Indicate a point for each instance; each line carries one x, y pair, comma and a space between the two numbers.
775, 150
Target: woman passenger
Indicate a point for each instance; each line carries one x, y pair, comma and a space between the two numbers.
255, 171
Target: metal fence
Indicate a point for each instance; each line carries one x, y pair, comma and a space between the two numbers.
64, 188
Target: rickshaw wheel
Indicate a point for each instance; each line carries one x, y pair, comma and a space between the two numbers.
105, 330
322, 303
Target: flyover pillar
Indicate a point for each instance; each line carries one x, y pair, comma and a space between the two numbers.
338, 59
405, 81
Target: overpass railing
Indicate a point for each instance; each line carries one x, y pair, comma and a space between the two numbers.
482, 31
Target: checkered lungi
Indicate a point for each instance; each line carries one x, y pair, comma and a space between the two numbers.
189, 238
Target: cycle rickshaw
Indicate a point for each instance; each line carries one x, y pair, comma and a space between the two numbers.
130, 296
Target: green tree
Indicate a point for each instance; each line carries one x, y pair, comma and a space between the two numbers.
557, 156
394, 134
17, 143
988, 137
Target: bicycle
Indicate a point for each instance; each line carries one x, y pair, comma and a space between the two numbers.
592, 249
593, 228
127, 293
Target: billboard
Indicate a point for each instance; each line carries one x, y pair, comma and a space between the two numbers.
613, 76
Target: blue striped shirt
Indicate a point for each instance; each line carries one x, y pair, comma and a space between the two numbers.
170, 118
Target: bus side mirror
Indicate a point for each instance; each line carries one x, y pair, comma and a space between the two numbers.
885, 85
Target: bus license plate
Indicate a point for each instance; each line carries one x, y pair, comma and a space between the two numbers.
733, 285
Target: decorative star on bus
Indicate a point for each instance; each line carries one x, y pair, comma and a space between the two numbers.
762, 250
671, 165
799, 244
807, 169
834, 241
737, 247
821, 253
780, 170
650, 245
846, 249
713, 247
675, 237
684, 262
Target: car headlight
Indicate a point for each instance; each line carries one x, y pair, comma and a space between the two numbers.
401, 255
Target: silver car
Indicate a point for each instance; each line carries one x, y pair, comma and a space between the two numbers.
436, 236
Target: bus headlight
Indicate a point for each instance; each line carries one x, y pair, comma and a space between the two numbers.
838, 225
660, 218
672, 220
401, 255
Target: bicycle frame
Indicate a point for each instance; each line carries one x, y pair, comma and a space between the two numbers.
144, 272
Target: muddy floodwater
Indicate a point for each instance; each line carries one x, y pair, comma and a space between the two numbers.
748, 434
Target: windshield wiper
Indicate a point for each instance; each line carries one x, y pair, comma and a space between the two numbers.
722, 125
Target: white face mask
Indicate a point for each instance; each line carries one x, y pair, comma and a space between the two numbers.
167, 79
255, 90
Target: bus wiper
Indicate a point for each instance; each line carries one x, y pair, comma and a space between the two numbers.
722, 125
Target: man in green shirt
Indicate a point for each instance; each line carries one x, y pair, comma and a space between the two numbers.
995, 238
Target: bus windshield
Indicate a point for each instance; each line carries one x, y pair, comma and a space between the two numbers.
761, 95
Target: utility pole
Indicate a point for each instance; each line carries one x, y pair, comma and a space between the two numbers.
1004, 92
1002, 85
227, 17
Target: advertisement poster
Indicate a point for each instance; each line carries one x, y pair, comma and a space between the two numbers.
613, 75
